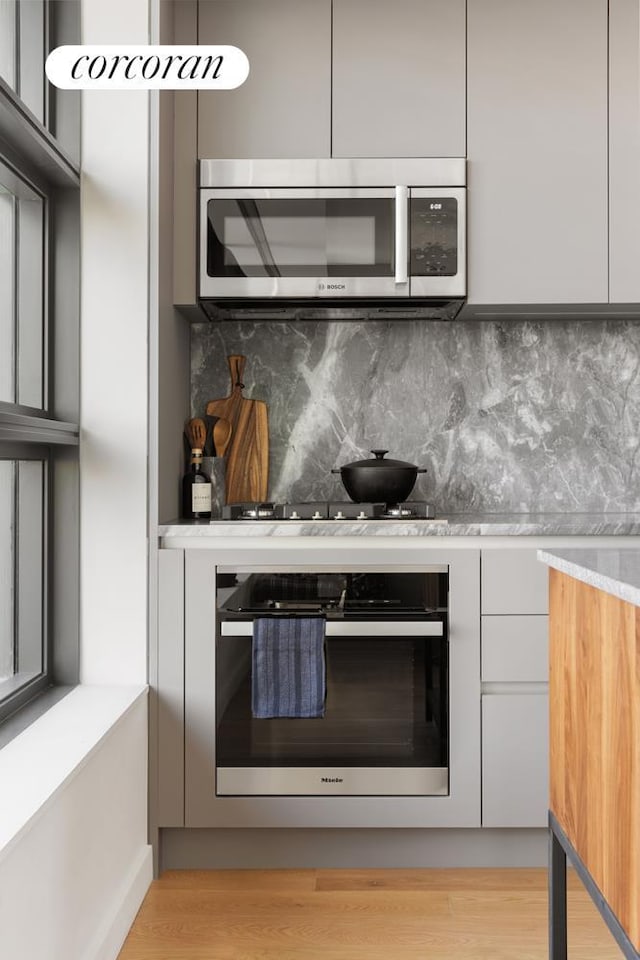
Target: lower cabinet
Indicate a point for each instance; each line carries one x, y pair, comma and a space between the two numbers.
515, 649
501, 768
515, 672
515, 779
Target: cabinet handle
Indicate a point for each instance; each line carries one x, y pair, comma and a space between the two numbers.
402, 207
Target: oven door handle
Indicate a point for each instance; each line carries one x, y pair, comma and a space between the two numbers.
353, 628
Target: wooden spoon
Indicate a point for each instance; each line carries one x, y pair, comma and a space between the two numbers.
221, 436
196, 433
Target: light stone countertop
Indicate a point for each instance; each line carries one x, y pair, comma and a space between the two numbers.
616, 572
458, 525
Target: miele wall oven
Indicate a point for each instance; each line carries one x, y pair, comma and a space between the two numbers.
382, 648
398, 744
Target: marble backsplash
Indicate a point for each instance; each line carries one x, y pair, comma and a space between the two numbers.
506, 416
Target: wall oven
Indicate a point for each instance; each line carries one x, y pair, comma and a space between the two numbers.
399, 742
307, 233
382, 646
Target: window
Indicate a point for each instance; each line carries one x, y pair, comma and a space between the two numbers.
22, 46
22, 266
22, 525
39, 377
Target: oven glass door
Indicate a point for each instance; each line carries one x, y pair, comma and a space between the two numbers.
300, 243
385, 727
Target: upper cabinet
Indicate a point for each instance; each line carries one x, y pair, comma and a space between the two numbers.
284, 107
398, 78
348, 78
624, 151
543, 98
537, 151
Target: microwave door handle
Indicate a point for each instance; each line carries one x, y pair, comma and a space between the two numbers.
402, 208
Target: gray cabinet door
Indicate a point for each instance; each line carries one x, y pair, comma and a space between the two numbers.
170, 689
515, 649
398, 78
515, 778
624, 150
514, 582
537, 151
284, 107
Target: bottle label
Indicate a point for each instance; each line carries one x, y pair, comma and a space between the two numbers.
201, 497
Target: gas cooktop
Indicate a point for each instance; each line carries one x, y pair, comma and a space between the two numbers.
327, 510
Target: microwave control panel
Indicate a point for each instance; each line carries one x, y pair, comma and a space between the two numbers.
434, 237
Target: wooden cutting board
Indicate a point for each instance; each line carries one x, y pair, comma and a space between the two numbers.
247, 471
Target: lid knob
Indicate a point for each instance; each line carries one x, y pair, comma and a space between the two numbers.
379, 454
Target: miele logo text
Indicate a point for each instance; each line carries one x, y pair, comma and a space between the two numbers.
146, 67
331, 780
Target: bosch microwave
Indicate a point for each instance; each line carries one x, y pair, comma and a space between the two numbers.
304, 235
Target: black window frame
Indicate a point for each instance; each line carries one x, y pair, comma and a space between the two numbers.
44, 152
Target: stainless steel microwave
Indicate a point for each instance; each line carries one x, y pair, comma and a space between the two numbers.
333, 232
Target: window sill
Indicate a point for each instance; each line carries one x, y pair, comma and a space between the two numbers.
40, 761
25, 715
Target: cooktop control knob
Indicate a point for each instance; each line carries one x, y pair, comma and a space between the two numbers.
339, 515
294, 515
361, 516
317, 515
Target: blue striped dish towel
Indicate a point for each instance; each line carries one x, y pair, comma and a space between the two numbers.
288, 667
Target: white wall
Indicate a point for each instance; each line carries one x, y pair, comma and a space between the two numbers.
73, 877
70, 885
114, 385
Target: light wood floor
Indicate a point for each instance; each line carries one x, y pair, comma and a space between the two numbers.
359, 915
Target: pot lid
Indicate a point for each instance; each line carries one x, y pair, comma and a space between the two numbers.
379, 461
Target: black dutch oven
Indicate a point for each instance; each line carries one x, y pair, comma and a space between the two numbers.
379, 480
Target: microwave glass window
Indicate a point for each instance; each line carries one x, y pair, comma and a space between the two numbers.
434, 237
294, 242
300, 238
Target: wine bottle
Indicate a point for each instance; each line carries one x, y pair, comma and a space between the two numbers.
196, 490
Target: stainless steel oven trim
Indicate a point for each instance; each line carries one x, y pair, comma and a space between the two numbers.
202, 808
332, 781
351, 628
324, 566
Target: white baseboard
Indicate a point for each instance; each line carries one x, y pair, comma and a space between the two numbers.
121, 913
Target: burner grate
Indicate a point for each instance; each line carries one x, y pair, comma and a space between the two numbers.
329, 510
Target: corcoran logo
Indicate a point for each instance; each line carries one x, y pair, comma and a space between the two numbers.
147, 67
331, 780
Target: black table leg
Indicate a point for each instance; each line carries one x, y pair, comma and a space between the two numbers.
557, 899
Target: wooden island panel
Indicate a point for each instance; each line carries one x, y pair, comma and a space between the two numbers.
594, 698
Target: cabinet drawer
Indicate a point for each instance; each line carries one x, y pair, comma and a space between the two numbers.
515, 778
513, 581
515, 649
